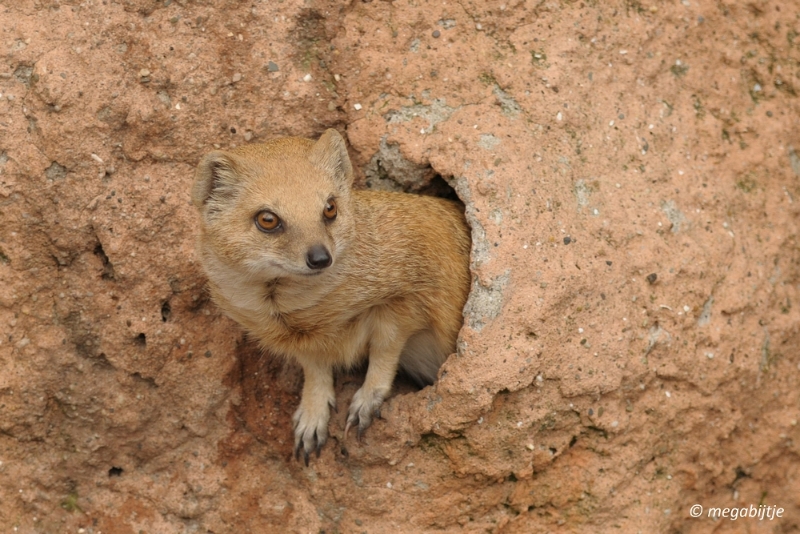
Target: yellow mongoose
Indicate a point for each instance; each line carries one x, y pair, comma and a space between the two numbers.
326, 275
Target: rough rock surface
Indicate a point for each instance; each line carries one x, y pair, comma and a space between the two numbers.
632, 342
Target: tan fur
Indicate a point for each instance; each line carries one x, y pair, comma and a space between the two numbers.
394, 291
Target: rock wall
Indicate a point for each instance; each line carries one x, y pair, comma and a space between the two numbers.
632, 341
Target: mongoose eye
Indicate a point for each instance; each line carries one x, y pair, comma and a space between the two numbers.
266, 221
330, 210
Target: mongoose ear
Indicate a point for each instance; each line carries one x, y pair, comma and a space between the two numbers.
330, 154
215, 179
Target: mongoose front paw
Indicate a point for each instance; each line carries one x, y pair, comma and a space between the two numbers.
310, 430
365, 405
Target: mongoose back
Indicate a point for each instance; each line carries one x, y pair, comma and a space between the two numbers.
327, 275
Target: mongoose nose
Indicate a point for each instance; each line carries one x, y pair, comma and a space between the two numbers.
318, 257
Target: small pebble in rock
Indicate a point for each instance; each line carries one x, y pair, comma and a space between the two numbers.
307, 78
567, 240
248, 136
237, 77
436, 33
609, 263
144, 73
357, 107
273, 67
651, 278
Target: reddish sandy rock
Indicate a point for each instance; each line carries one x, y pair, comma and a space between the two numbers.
631, 345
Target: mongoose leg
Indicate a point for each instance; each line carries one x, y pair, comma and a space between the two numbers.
384, 357
311, 418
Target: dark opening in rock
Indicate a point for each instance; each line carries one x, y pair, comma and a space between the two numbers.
166, 311
108, 267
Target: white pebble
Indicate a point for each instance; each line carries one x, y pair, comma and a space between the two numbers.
307, 78
97, 158
559, 116
357, 107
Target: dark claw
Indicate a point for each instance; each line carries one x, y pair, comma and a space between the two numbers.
333, 407
359, 433
305, 456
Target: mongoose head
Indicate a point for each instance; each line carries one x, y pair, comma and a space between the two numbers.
275, 210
